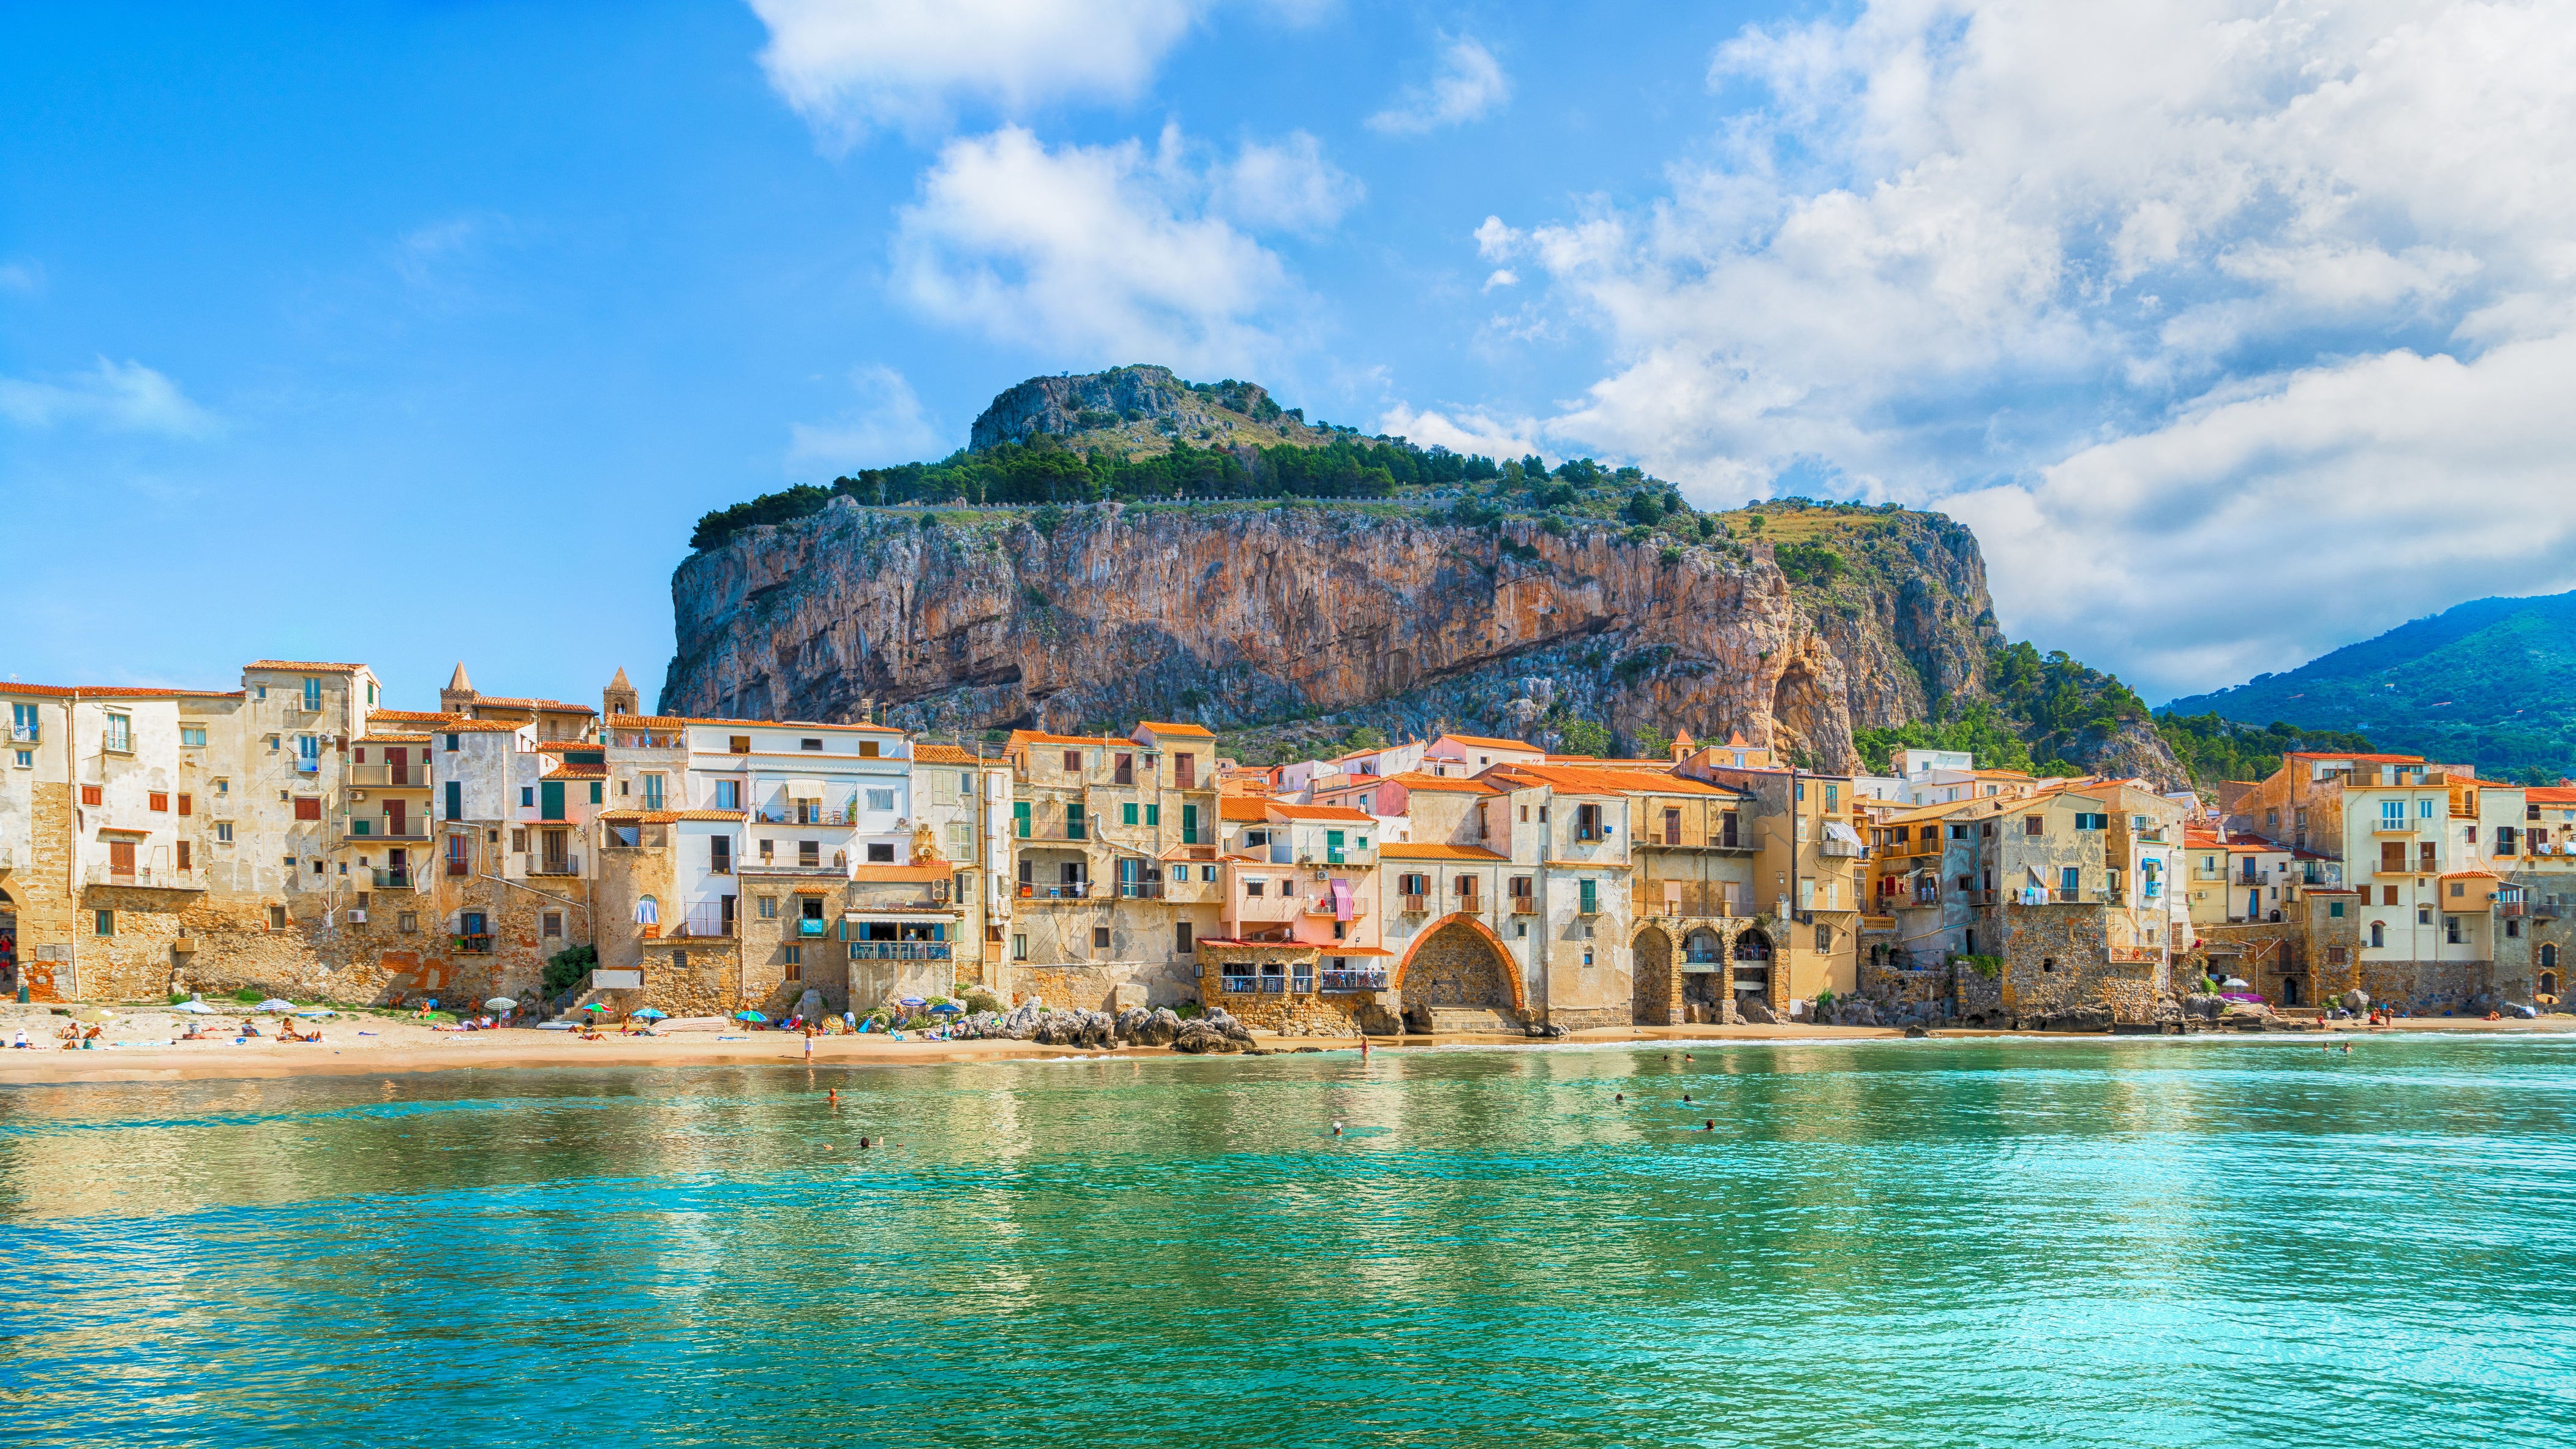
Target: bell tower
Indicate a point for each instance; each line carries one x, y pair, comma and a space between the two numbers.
619, 698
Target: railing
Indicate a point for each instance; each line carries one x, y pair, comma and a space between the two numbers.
1079, 891
359, 827
810, 926
392, 880
24, 734
1254, 985
552, 865
901, 951
308, 764
647, 740
1524, 905
1355, 981
1415, 905
1323, 905
2386, 826
1351, 856
1053, 830
812, 817
705, 922
1140, 890
839, 866
146, 877
476, 944
1473, 905
1590, 907
387, 777
1695, 898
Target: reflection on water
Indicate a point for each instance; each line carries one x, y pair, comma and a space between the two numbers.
1899, 1243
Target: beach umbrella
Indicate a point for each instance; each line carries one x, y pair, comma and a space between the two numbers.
946, 1008
749, 1016
275, 1004
194, 1008
500, 1003
650, 1014
93, 1013
914, 1002
593, 1006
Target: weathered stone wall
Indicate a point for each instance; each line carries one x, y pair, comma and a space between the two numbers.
1456, 965
2056, 959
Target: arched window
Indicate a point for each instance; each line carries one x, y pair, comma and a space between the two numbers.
2548, 952
2378, 934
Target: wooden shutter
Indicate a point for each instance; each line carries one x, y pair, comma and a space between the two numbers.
183, 855
308, 807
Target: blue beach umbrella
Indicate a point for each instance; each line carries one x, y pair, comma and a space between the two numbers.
649, 1014
946, 1008
914, 1002
749, 1016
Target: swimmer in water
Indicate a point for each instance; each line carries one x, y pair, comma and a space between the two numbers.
1709, 1126
1620, 1098
1685, 1096
1337, 1129
863, 1144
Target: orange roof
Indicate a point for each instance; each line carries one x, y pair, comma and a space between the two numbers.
116, 691
1482, 743
364, 740
667, 721
2549, 795
408, 714
1036, 737
1341, 813
478, 726
577, 772
737, 816
1162, 728
1593, 780
541, 706
1243, 807
639, 817
1406, 851
303, 664
930, 754
1336, 948
901, 872
1420, 780
2470, 875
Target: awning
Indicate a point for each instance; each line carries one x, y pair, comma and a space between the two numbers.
804, 789
896, 918
1341, 900
1836, 830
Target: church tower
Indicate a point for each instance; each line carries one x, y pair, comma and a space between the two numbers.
459, 696
619, 698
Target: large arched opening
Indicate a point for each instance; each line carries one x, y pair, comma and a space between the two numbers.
8, 947
1457, 970
1652, 996
1751, 974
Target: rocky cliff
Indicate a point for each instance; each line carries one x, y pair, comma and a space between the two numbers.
1235, 615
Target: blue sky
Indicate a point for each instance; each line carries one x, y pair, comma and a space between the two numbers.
411, 333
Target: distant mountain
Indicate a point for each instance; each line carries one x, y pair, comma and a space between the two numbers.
2490, 683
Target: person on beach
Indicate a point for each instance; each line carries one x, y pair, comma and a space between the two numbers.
22, 1042
809, 1046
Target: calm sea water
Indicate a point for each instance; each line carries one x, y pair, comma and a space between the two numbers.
2102, 1242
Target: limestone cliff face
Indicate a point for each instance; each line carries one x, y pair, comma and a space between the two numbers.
1231, 616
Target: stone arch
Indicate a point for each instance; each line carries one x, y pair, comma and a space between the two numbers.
1653, 992
1750, 956
1457, 967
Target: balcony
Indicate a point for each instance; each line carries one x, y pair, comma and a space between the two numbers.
790, 817
1414, 905
812, 927
1253, 985
393, 880
1355, 981
308, 764
901, 951
365, 830
705, 922
25, 734
389, 777
1052, 830
2386, 826
1353, 857
1140, 890
1523, 905
1473, 905
145, 877
1323, 905
1833, 849
536, 864
837, 869
1077, 891
1588, 906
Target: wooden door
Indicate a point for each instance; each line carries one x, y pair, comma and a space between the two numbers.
120, 857
395, 810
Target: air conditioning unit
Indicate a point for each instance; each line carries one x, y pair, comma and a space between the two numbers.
357, 918
357, 794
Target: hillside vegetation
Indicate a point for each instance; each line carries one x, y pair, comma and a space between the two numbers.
2490, 683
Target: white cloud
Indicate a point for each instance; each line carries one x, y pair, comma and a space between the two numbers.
1466, 82
1289, 186
1469, 431
885, 425
26, 278
2223, 251
124, 397
1502, 277
1111, 253
849, 66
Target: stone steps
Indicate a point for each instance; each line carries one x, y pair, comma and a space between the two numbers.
1447, 1019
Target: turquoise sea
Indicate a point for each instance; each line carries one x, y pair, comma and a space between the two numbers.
2045, 1242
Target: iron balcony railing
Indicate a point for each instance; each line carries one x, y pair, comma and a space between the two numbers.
147, 877
552, 864
810, 817
1253, 985
477, 943
1355, 981
389, 777
308, 764
809, 926
360, 827
900, 951
1415, 905
837, 866
1078, 891
393, 880
24, 734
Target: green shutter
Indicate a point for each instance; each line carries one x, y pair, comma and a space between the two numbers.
551, 807
1127, 813
1333, 847
1073, 820
1588, 897
455, 800
1020, 817
595, 787
1189, 825
1153, 814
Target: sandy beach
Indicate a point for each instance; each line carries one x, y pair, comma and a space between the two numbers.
141, 1044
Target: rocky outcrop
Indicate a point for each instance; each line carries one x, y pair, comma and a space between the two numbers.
1236, 615
1153, 396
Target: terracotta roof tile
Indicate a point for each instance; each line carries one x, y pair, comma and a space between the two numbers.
1480, 742
934, 871
1336, 813
1161, 727
115, 691
930, 754
1424, 780
314, 667
1407, 851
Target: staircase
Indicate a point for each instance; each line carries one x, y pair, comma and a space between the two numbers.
1448, 1019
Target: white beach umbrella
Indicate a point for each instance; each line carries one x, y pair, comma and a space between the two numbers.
194, 1008
274, 1004
500, 1003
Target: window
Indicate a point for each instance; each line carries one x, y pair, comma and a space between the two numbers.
120, 737
105, 925
308, 807
1180, 938
2092, 822
2378, 935
867, 749
768, 907
1073, 762
1824, 938
794, 958
1255, 887
2423, 809
159, 801
26, 759
2388, 895
809, 744
719, 855
1185, 772
313, 694
1100, 938
881, 800
881, 854
738, 744
451, 742
2451, 929
1019, 948
277, 918
1127, 813
728, 794
2030, 825
223, 832
553, 923
527, 797
2070, 880
187, 804
185, 856
2423, 915
2334, 910
97, 795
192, 737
